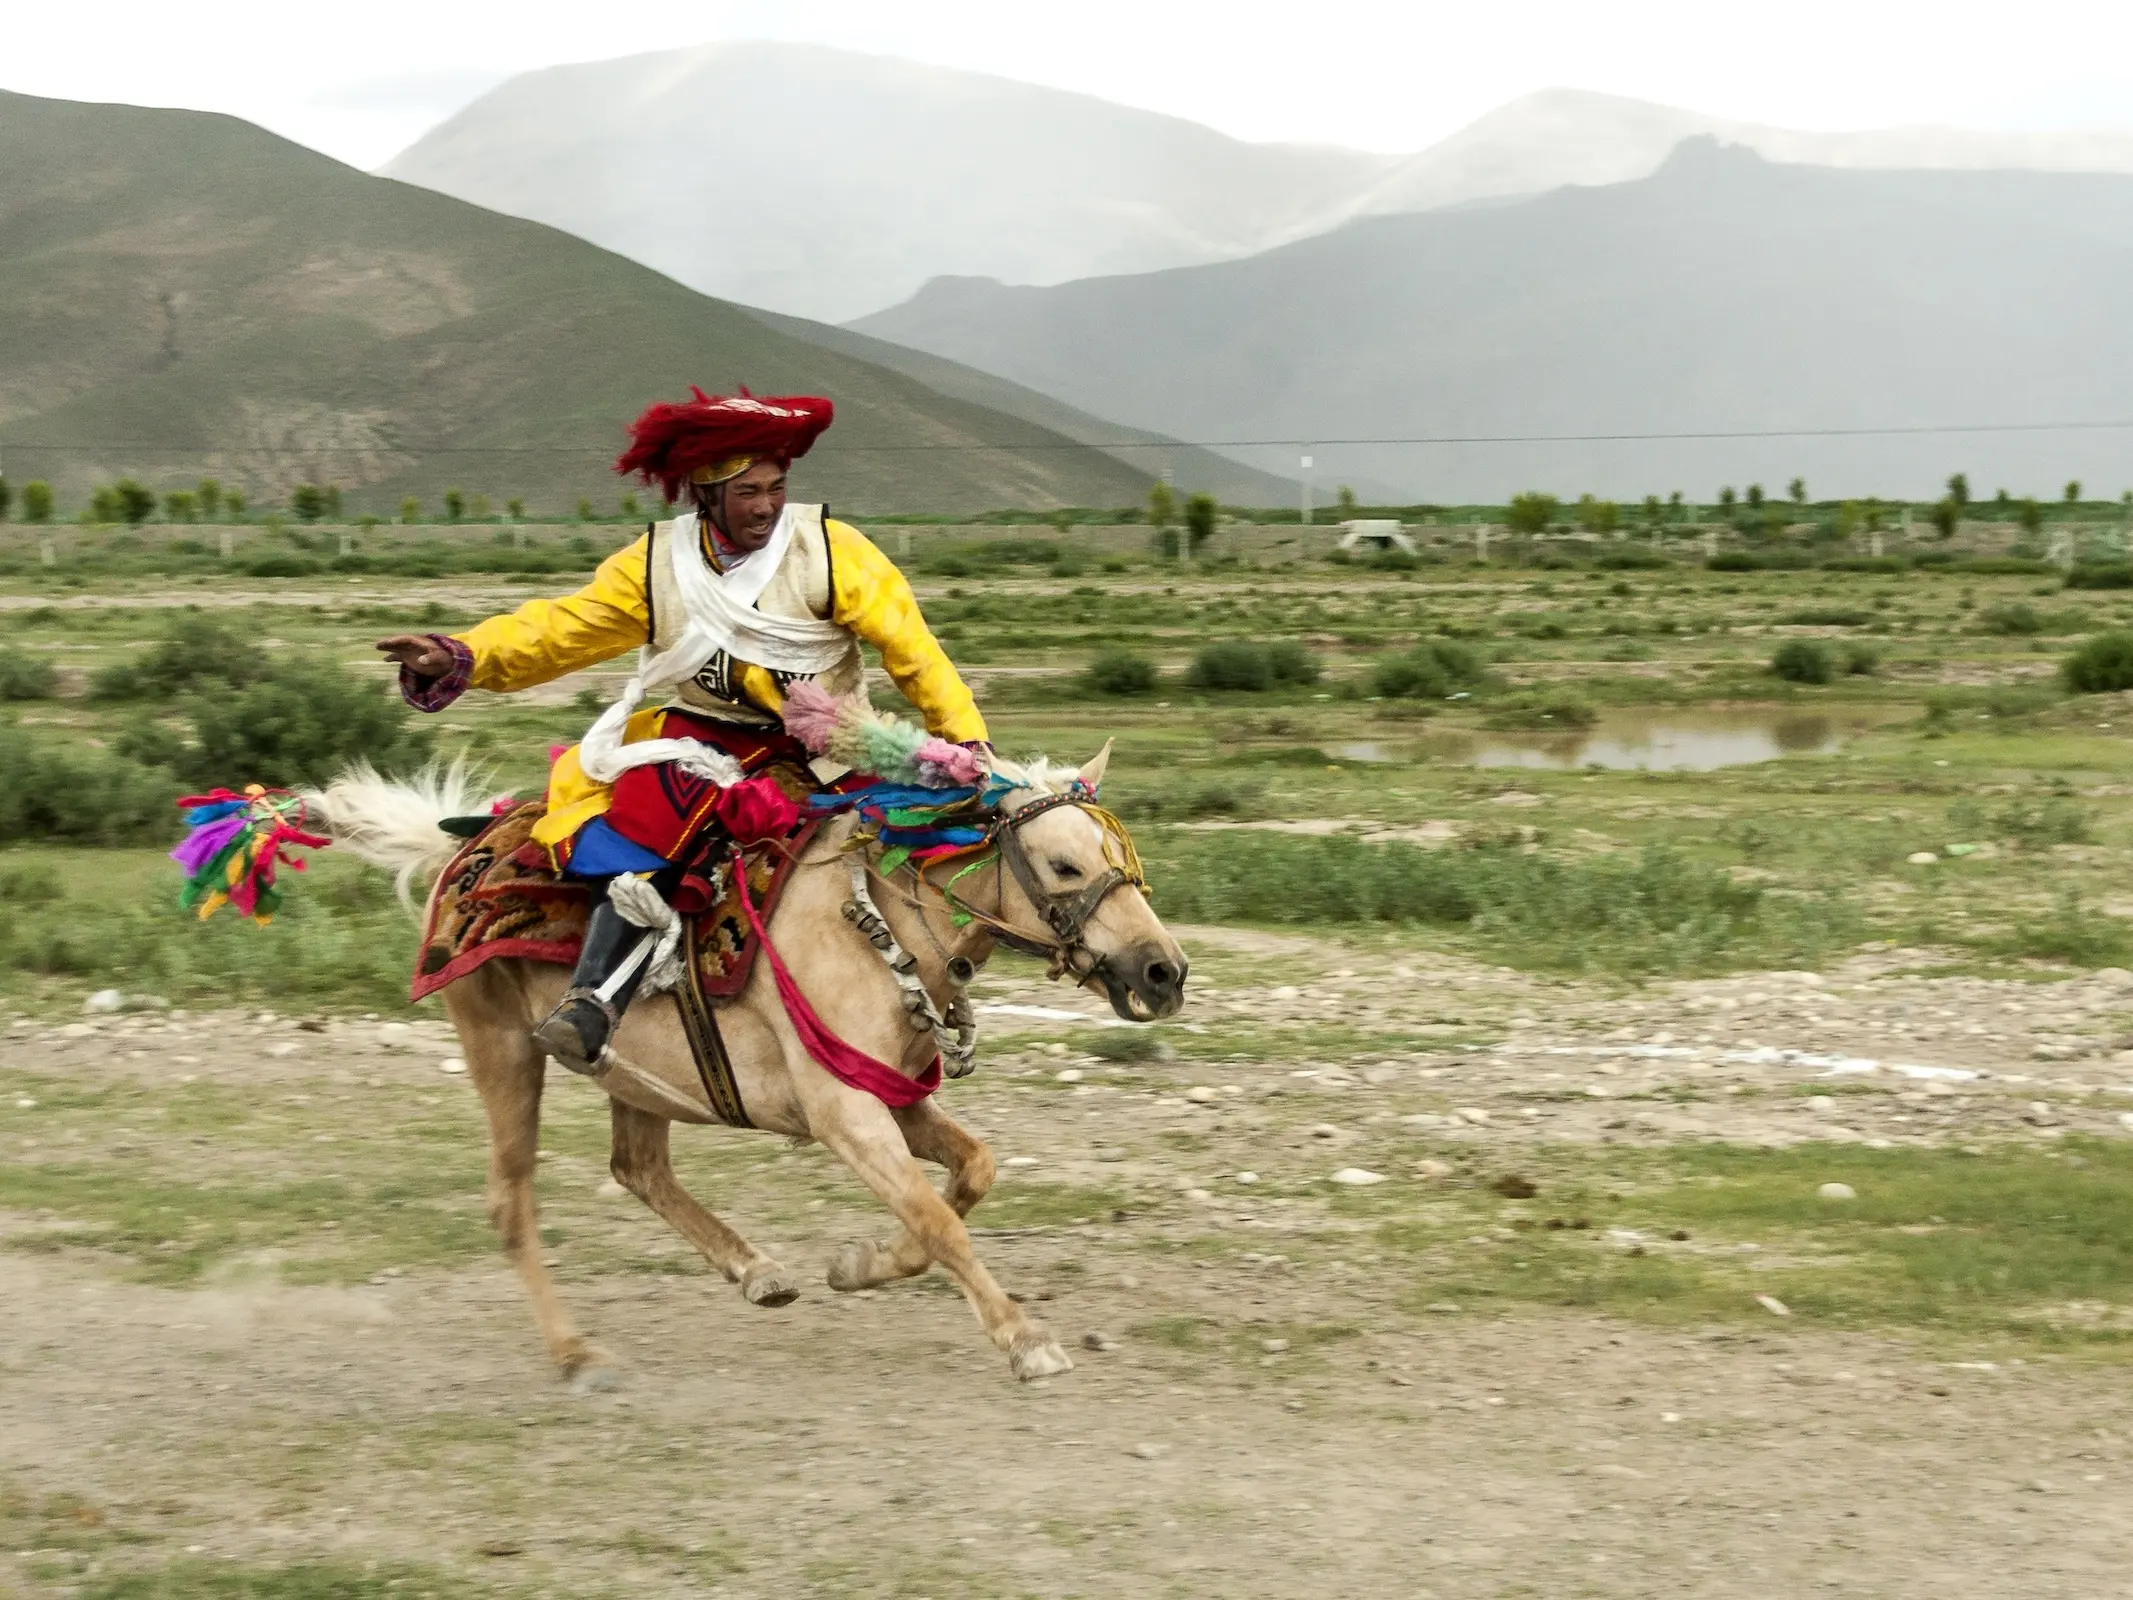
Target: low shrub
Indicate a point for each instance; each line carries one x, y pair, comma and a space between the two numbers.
2073, 934
1804, 661
1859, 660
1828, 617
33, 885
1542, 708
26, 677
1252, 667
281, 564
1631, 558
296, 724
1432, 670
70, 795
1758, 561
196, 652
1121, 672
2006, 566
2040, 824
2011, 617
2102, 664
2100, 575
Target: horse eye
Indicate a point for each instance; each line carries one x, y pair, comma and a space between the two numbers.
1066, 869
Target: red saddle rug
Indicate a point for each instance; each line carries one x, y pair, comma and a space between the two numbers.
497, 898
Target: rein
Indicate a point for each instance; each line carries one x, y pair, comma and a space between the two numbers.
954, 1030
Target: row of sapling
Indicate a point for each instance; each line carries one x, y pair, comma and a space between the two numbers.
131, 503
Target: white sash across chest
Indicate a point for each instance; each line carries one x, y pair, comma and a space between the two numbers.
721, 615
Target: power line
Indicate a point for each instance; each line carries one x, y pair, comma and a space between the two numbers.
1891, 431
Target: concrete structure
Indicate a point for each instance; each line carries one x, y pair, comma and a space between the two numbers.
1372, 534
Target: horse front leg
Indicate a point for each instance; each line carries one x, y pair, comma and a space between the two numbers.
865, 1136
931, 1135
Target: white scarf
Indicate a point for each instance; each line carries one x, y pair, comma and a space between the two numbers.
721, 614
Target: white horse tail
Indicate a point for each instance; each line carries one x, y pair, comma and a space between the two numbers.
392, 822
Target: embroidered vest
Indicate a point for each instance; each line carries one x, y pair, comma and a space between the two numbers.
801, 587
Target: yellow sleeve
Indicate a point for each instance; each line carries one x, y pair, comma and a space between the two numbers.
872, 598
543, 639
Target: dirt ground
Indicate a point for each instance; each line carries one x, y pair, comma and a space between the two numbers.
1264, 1403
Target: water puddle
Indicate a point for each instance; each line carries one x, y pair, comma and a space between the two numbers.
1651, 741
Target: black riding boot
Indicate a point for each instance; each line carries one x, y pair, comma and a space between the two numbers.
578, 1030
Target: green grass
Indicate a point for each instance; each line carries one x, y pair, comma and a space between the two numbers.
1023, 1202
2008, 1245
309, 1580
1655, 911
342, 941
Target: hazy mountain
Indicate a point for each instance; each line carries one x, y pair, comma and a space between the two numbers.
184, 293
1557, 136
1722, 294
827, 184
1193, 470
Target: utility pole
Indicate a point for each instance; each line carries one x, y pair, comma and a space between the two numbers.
1306, 464
1170, 485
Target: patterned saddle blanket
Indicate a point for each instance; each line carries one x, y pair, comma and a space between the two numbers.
497, 898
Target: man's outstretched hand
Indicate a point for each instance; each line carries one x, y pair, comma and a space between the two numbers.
421, 655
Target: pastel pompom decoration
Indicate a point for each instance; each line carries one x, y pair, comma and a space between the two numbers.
811, 713
942, 765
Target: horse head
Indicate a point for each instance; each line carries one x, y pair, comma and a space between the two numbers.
1074, 873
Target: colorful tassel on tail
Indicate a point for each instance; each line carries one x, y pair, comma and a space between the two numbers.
237, 841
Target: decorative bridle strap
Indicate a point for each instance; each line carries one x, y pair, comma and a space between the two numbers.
1066, 915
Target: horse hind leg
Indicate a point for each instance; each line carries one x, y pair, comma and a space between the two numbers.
934, 1136
509, 1073
642, 1164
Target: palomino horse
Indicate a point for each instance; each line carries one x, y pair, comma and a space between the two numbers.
1055, 890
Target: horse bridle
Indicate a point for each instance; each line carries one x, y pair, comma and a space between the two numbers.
1066, 913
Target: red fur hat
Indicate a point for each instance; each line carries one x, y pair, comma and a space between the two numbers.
714, 436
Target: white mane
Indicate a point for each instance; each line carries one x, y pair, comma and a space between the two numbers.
1040, 775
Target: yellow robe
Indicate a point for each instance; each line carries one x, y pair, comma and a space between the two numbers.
544, 639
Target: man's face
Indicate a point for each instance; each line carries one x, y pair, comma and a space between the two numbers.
746, 507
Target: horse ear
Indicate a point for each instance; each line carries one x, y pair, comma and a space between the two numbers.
1091, 775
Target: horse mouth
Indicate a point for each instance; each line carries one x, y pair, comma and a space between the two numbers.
1134, 1006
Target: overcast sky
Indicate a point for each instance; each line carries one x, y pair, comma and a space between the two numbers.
361, 82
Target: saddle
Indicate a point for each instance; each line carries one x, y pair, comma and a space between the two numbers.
499, 899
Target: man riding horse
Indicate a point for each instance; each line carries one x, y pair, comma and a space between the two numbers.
733, 600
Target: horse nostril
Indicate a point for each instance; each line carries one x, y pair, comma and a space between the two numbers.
1160, 976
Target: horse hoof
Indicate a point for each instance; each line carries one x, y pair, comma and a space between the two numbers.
769, 1284
852, 1267
595, 1380
1042, 1359
590, 1370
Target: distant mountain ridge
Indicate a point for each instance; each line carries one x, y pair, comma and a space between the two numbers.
831, 185
826, 184
1544, 140
1722, 294
184, 293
